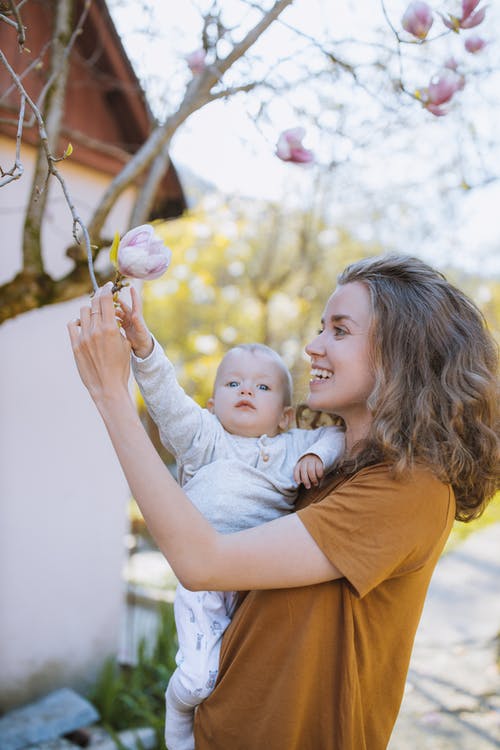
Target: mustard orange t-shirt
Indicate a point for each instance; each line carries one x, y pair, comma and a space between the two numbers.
323, 667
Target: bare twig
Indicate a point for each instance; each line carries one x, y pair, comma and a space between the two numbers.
78, 222
17, 170
8, 20
198, 93
18, 84
226, 93
17, 24
33, 65
52, 169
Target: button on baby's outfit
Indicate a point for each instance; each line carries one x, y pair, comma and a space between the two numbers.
263, 453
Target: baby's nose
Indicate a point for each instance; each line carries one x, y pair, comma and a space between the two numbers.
246, 388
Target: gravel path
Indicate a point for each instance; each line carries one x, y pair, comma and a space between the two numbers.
452, 696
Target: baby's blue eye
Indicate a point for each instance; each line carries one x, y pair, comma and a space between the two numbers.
263, 387
232, 384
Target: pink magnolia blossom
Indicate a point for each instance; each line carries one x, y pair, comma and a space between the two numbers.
442, 88
142, 254
290, 148
196, 61
475, 44
470, 16
417, 19
440, 91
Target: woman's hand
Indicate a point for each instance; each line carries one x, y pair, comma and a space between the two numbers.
134, 326
101, 351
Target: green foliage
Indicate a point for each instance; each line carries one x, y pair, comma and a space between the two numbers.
461, 531
244, 272
133, 696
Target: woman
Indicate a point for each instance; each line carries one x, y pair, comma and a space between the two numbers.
317, 655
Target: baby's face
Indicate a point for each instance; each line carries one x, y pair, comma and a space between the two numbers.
248, 396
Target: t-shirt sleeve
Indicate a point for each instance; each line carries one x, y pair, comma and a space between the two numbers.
373, 527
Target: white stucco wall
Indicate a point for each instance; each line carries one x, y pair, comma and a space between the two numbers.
63, 495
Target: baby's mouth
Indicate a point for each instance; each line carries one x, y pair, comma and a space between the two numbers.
243, 404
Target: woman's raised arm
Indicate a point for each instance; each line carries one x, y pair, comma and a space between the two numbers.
279, 554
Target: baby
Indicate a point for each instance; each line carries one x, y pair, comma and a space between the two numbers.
240, 466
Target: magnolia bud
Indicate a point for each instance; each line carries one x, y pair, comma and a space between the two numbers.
142, 254
417, 19
196, 61
474, 44
290, 148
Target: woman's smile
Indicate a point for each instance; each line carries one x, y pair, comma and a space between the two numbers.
342, 376
318, 374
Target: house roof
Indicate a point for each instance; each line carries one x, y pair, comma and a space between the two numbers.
106, 115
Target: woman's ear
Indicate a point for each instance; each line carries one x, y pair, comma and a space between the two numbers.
287, 418
210, 405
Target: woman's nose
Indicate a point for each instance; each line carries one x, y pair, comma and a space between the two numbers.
314, 346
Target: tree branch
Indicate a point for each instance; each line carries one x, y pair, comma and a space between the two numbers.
30, 291
226, 93
33, 65
252, 36
32, 256
145, 199
198, 93
21, 36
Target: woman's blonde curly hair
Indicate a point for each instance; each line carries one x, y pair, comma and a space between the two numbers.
436, 395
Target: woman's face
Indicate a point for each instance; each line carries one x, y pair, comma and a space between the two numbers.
342, 374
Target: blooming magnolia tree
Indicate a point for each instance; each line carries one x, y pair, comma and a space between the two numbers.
226, 64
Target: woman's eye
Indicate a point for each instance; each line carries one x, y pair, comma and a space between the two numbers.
320, 331
263, 387
339, 331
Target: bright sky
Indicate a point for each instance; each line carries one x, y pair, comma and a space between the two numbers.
222, 144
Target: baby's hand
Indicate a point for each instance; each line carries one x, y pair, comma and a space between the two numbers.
308, 470
134, 327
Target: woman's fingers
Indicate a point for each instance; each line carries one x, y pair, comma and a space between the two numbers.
93, 316
85, 318
101, 352
74, 332
107, 305
95, 308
